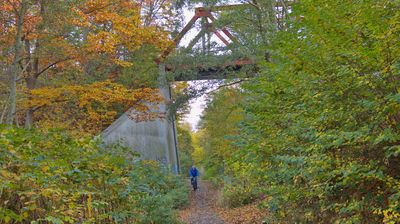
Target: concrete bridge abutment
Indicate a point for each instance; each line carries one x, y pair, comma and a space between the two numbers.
153, 140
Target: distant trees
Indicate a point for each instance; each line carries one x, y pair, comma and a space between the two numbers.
186, 148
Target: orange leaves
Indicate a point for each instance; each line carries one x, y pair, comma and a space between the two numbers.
116, 25
9, 15
102, 42
112, 27
84, 40
31, 21
5, 7
89, 108
80, 19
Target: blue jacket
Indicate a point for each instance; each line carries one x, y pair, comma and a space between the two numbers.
193, 172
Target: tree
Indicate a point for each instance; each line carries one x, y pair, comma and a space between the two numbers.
14, 13
321, 129
92, 41
223, 110
319, 136
185, 147
89, 109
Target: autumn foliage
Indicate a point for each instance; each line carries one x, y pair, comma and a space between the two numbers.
116, 26
65, 44
91, 108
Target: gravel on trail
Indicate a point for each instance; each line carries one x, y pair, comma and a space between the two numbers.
201, 208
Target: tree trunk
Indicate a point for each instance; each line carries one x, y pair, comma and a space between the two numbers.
14, 71
29, 115
31, 80
33, 73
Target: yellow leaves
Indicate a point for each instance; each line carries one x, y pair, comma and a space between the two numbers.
88, 108
5, 173
124, 180
115, 24
45, 168
150, 163
390, 216
89, 205
25, 215
80, 19
123, 63
103, 42
50, 193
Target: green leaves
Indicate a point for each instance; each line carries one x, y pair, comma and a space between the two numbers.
54, 178
387, 136
320, 128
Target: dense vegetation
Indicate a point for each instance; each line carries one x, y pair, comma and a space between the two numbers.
185, 147
313, 136
317, 133
55, 178
77, 65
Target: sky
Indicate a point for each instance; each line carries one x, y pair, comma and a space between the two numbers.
197, 105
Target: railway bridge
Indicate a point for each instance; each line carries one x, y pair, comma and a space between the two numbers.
157, 139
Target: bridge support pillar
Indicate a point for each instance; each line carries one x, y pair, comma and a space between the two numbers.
154, 140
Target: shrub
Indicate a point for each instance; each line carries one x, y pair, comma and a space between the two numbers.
237, 195
54, 178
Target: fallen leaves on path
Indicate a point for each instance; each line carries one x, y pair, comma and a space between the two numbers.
203, 209
249, 214
200, 210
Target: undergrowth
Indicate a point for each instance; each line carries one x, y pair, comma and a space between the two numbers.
54, 178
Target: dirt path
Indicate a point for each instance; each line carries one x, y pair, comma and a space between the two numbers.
200, 210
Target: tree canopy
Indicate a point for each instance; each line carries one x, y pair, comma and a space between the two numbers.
319, 132
310, 132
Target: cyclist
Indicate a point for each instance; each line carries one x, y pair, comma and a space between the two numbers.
193, 173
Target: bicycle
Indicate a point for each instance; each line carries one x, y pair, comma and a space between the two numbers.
193, 181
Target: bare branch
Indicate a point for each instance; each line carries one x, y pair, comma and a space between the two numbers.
51, 65
228, 84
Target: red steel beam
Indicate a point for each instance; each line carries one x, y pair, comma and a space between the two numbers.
227, 33
222, 38
210, 26
178, 38
201, 12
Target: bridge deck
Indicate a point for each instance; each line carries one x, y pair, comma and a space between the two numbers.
224, 71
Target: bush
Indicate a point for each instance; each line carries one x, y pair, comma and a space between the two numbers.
53, 178
236, 195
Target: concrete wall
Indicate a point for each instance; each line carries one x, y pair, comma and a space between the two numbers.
154, 140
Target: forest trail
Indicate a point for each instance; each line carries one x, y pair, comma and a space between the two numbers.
201, 208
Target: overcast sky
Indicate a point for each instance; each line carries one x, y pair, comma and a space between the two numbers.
196, 105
